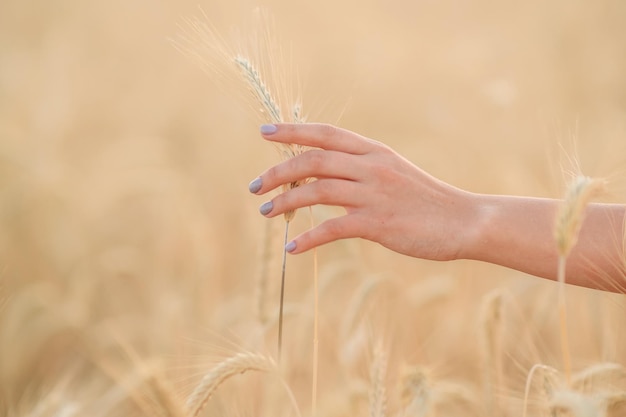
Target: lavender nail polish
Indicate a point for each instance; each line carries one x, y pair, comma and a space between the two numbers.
291, 246
255, 185
266, 207
268, 129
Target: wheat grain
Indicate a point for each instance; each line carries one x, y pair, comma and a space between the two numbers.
596, 374
615, 404
259, 89
451, 392
577, 404
548, 382
416, 392
240, 363
571, 214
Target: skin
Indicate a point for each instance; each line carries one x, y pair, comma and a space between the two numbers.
391, 201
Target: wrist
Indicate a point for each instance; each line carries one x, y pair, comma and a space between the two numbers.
477, 226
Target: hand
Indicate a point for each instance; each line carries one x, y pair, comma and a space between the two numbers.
387, 199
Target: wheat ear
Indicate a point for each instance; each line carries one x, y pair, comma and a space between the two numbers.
571, 214
259, 89
238, 364
270, 107
378, 395
569, 220
492, 326
596, 373
529, 380
416, 391
576, 403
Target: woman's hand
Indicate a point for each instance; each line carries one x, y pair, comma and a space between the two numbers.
387, 199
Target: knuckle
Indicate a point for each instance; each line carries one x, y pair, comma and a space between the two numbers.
384, 173
322, 191
272, 174
328, 131
384, 149
334, 229
315, 160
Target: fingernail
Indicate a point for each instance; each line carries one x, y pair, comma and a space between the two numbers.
266, 208
255, 185
268, 129
291, 246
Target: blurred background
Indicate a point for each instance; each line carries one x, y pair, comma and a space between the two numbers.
128, 238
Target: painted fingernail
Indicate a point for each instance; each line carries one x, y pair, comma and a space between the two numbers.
255, 185
291, 246
266, 208
268, 129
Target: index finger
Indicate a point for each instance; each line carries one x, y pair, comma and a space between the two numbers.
318, 135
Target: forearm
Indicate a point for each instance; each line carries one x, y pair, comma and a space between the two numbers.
518, 233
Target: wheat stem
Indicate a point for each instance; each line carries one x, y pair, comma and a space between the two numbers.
492, 327
568, 224
567, 359
378, 396
315, 325
282, 293
529, 380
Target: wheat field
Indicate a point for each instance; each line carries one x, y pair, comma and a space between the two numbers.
136, 271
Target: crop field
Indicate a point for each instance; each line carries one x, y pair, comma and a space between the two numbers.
137, 277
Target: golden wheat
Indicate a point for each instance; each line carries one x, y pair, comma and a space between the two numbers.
571, 214
378, 392
577, 404
598, 375
568, 222
238, 364
415, 391
85, 243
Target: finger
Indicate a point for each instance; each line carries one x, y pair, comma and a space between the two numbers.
319, 135
337, 228
332, 192
311, 164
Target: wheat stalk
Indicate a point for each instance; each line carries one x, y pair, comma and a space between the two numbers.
238, 364
579, 405
378, 395
262, 275
492, 326
163, 393
270, 107
416, 392
315, 324
569, 221
354, 309
596, 373
547, 371
614, 403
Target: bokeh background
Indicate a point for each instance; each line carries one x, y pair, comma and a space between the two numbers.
129, 241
